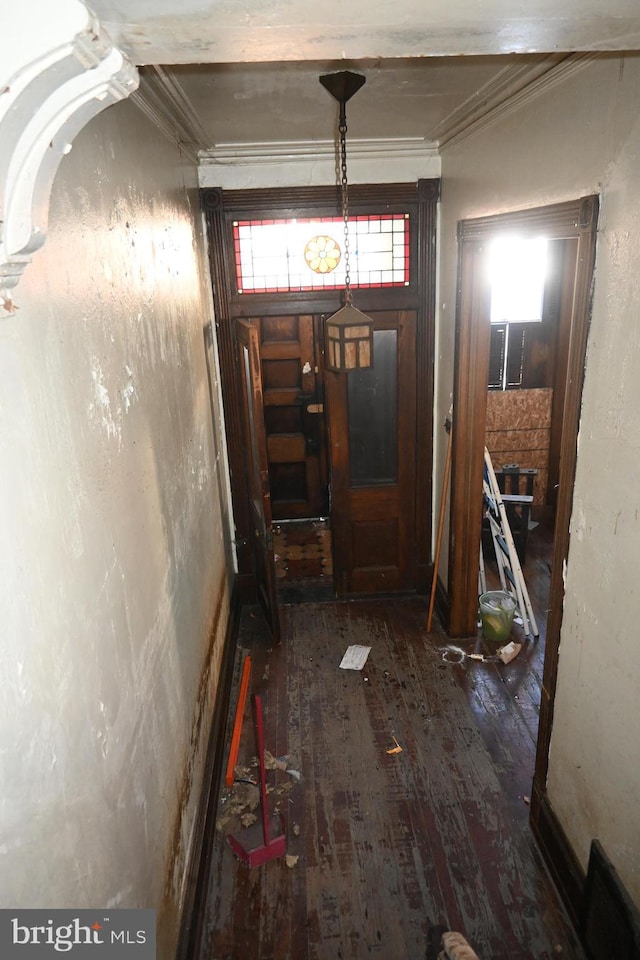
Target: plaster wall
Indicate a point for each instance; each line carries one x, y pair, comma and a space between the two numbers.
578, 138
238, 173
114, 554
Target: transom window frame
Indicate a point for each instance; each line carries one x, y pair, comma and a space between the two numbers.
314, 203
372, 264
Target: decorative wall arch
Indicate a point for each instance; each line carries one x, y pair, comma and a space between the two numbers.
60, 71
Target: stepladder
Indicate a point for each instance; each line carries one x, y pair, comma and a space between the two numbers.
507, 559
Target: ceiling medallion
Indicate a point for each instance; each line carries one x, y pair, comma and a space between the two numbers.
322, 254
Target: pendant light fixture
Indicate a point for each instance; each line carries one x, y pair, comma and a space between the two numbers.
349, 332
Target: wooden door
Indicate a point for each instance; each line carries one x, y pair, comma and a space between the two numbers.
372, 431
257, 474
294, 415
290, 429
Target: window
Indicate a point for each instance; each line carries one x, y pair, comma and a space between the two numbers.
282, 256
518, 269
373, 415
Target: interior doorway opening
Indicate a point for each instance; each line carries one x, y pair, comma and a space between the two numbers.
531, 279
275, 266
573, 225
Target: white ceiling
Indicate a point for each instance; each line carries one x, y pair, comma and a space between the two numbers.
401, 99
246, 71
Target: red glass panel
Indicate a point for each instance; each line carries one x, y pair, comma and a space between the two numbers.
270, 254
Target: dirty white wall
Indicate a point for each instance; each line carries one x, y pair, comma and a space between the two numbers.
581, 137
406, 164
114, 587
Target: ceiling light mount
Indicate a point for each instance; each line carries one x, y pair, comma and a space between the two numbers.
342, 87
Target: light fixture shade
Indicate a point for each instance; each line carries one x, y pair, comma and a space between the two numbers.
349, 340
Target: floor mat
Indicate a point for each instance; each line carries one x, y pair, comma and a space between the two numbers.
304, 566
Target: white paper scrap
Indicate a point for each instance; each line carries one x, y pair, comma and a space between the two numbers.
355, 657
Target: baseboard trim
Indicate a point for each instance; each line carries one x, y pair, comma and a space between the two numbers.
200, 858
557, 852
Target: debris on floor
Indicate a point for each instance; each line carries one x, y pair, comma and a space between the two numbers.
275, 763
453, 654
355, 657
456, 655
509, 652
243, 775
239, 802
396, 749
291, 859
240, 799
455, 947
280, 763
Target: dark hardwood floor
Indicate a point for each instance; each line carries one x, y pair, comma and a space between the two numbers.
385, 850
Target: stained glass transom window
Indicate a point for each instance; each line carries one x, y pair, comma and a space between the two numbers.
283, 256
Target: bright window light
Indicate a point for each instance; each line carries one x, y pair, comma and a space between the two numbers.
518, 269
283, 256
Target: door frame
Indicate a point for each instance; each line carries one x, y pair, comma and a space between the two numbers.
577, 220
221, 208
257, 474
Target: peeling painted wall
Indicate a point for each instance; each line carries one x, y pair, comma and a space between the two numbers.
114, 577
582, 137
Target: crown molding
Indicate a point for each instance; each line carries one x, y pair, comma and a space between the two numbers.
55, 81
294, 151
509, 91
164, 102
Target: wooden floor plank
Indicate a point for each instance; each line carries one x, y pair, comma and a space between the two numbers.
390, 846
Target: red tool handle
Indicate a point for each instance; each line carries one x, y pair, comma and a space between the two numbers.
259, 724
237, 726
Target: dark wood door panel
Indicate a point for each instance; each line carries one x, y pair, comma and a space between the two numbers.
286, 448
373, 520
293, 413
376, 559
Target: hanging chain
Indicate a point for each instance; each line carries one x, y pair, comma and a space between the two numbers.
345, 204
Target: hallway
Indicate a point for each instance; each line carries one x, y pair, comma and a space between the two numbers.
124, 553
391, 848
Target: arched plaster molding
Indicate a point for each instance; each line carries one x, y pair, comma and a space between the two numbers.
59, 71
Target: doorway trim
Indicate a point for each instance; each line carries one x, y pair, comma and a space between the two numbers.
220, 209
574, 220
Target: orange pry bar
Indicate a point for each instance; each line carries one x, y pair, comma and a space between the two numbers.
237, 725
